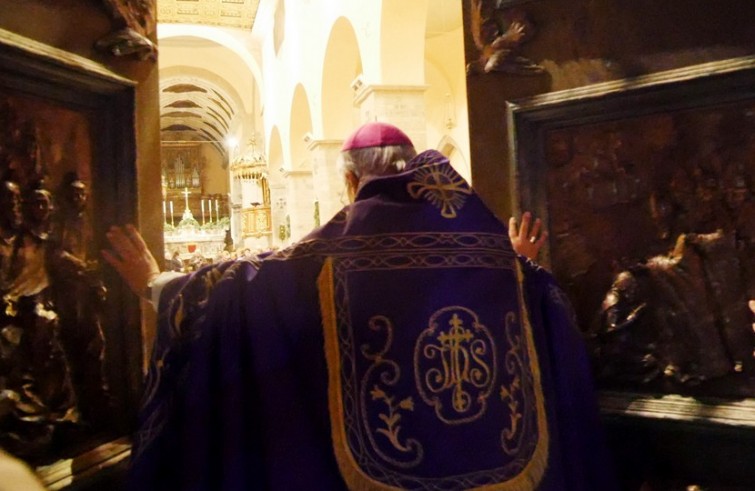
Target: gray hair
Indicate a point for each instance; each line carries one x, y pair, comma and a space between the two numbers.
375, 161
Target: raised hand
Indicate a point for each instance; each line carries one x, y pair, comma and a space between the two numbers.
131, 258
525, 241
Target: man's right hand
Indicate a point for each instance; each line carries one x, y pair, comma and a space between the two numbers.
131, 258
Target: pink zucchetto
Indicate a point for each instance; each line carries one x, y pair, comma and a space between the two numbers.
375, 134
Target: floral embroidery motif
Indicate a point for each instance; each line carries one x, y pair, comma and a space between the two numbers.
388, 373
455, 365
393, 417
511, 436
442, 186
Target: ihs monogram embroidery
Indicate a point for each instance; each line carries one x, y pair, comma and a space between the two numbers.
442, 186
454, 365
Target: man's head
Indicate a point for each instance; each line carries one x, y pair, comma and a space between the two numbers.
78, 195
40, 206
10, 205
373, 150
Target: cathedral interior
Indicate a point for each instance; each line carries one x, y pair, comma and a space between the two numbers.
214, 125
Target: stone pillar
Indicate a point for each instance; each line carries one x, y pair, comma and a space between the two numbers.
236, 228
300, 200
278, 212
401, 105
329, 186
235, 198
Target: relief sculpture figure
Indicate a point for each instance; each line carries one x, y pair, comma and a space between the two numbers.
37, 395
54, 395
498, 35
77, 279
678, 321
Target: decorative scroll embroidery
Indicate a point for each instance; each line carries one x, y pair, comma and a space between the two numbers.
511, 437
422, 243
362, 405
206, 283
454, 365
389, 373
442, 186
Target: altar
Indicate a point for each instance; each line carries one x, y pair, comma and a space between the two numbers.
197, 240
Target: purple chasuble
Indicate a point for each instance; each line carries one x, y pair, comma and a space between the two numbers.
403, 345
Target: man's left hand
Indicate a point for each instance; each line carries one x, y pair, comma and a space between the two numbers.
525, 241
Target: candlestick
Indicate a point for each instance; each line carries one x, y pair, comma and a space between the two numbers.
171, 213
217, 211
202, 203
165, 214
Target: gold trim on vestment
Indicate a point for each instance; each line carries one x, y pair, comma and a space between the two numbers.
354, 476
355, 479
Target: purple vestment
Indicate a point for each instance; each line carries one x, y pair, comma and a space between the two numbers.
403, 345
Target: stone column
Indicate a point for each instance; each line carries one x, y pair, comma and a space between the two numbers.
300, 203
235, 199
401, 105
329, 187
278, 212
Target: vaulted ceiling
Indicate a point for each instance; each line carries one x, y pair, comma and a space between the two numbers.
194, 109
224, 13
203, 104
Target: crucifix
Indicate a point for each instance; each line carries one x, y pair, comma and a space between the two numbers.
186, 194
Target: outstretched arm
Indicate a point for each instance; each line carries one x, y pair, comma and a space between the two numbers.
752, 307
131, 258
527, 242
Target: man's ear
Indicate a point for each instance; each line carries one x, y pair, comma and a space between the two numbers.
352, 184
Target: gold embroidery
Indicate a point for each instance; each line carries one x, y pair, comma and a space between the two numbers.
360, 467
422, 243
351, 471
392, 418
389, 374
442, 187
514, 366
461, 365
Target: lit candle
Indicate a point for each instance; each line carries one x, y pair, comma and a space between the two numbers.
171, 213
165, 214
217, 211
202, 203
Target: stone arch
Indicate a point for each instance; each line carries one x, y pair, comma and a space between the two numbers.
201, 101
451, 149
341, 66
299, 188
300, 129
232, 85
236, 44
445, 76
